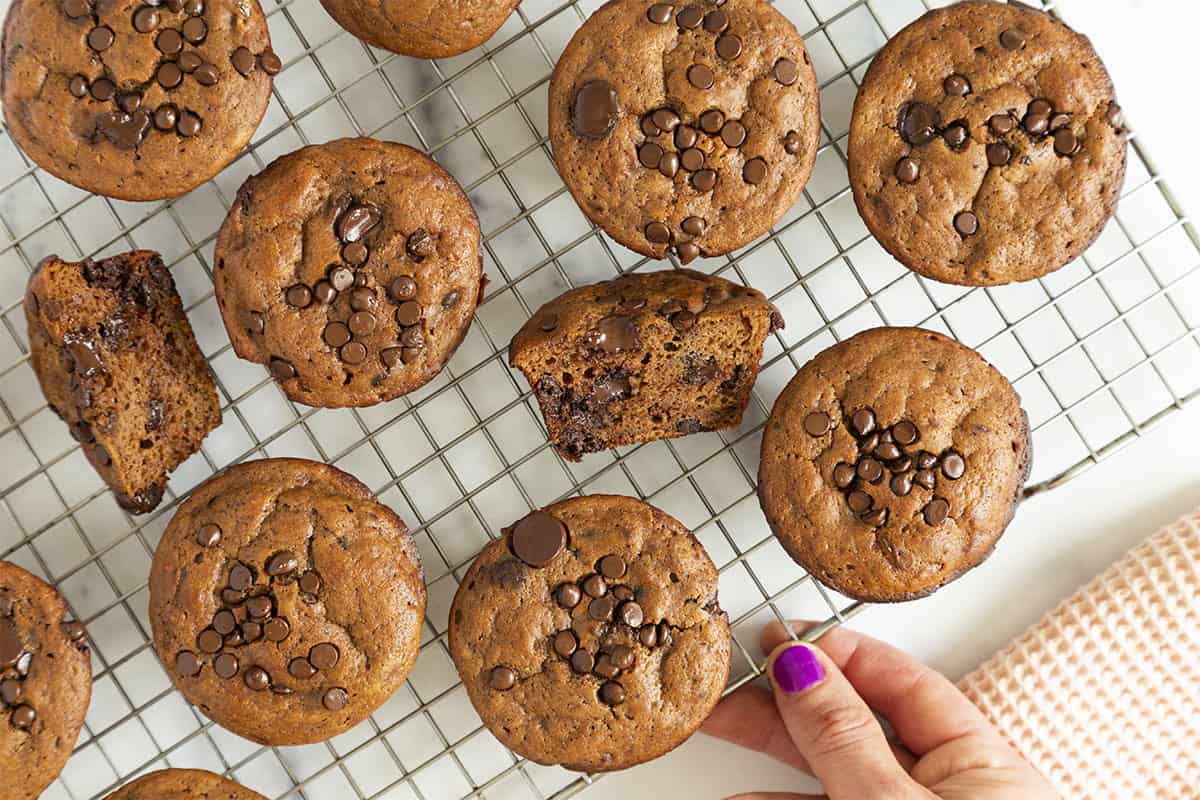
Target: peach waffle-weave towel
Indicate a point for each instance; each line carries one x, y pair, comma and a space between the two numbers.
1103, 695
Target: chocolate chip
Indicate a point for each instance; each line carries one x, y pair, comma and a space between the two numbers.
1065, 143
692, 159
169, 75
595, 110
257, 679
870, 470
450, 299
362, 323
701, 76
282, 563
243, 61
905, 432
169, 41
631, 614
232, 597
936, 511
668, 165
74, 631
195, 30
1036, 124
685, 137
189, 124
582, 662
1041, 107
998, 154
240, 577
660, 13
403, 288
189, 62
77, 8
966, 223
694, 226
193, 7
568, 595
207, 75
10, 691
953, 465
412, 337
269, 62
887, 451
224, 622
925, 459
502, 679
251, 631
281, 368
792, 143
862, 423
301, 669
907, 170
601, 608
336, 334
956, 136
1001, 123
690, 17
1059, 121
595, 586
1114, 116
100, 38
613, 567
650, 154
78, 86
103, 89
225, 665
362, 299
733, 134
208, 535
606, 667
665, 120
786, 71
817, 423
925, 478
843, 475
901, 485
354, 223
956, 85
209, 641
341, 278
612, 693
259, 606
1012, 39
129, 102
918, 123
186, 664
729, 46
310, 582
23, 717
353, 353
565, 643
538, 538
716, 21
683, 320
276, 629
876, 518
755, 171
298, 296
648, 636
859, 501
615, 333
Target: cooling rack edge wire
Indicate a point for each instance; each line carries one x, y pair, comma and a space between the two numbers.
1100, 351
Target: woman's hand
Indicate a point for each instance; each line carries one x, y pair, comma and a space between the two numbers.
820, 720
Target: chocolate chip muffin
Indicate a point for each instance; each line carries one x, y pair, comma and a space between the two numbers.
986, 145
589, 635
685, 128
183, 784
893, 462
117, 361
45, 684
646, 356
351, 269
286, 603
135, 99
424, 28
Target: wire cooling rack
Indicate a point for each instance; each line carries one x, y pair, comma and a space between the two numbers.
1100, 351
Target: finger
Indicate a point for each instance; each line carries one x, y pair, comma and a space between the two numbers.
924, 708
833, 729
749, 718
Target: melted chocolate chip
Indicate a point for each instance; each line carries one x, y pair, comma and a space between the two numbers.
595, 109
538, 538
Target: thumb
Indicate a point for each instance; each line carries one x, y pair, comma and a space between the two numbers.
834, 730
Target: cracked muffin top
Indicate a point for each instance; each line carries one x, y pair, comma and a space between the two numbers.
135, 99
286, 603
183, 784
589, 634
687, 128
351, 269
45, 683
892, 463
422, 28
986, 145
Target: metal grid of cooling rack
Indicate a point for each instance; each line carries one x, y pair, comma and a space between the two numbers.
1099, 351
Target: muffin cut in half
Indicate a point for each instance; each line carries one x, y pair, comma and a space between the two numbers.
643, 357
117, 360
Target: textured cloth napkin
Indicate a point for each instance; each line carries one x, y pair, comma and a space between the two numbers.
1103, 694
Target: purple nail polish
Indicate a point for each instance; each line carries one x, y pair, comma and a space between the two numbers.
797, 669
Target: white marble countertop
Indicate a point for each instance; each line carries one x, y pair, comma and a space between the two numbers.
1059, 539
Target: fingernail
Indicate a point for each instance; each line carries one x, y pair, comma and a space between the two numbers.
797, 669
